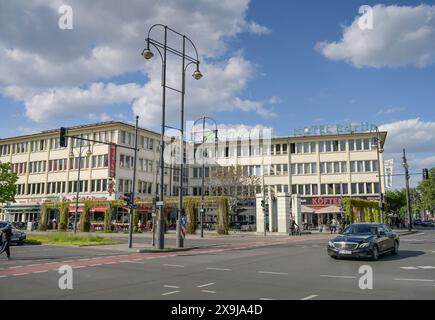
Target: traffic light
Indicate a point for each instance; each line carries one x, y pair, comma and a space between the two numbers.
63, 137
128, 197
262, 203
425, 174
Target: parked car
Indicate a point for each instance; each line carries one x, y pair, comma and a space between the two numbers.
428, 223
364, 240
18, 236
417, 222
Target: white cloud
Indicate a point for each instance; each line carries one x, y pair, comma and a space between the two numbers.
255, 28
57, 74
402, 36
418, 138
414, 135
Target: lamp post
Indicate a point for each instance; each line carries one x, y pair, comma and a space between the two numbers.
203, 119
408, 202
71, 155
378, 145
148, 54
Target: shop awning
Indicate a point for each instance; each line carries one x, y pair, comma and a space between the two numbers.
329, 209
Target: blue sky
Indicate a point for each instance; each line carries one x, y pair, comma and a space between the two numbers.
282, 79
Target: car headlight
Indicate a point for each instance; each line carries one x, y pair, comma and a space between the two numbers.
331, 244
364, 245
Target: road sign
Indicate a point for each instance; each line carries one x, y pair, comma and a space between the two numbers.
183, 220
160, 203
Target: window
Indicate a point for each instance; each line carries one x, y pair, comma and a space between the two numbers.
335, 146
345, 188
351, 145
307, 147
376, 188
329, 167
292, 148
338, 188
369, 188
358, 144
278, 149
354, 188
330, 189
323, 189
361, 188
299, 148
342, 145
308, 189
314, 168
367, 166
284, 148
315, 189
300, 189
343, 167
307, 168
352, 166
293, 169
328, 147
300, 168
366, 144
313, 147
336, 167
375, 166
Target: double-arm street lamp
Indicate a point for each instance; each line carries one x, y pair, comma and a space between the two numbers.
187, 60
78, 187
204, 119
377, 144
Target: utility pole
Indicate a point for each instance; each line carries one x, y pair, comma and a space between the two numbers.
133, 191
408, 202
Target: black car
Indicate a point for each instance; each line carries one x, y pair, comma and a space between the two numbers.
364, 240
18, 237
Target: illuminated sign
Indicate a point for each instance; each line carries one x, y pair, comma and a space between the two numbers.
335, 129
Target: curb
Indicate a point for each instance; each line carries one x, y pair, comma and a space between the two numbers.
407, 233
166, 250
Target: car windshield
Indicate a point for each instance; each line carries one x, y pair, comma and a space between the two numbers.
360, 229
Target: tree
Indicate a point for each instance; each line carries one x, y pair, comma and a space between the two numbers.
427, 190
234, 182
8, 179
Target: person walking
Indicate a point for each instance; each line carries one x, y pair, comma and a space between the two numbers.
6, 235
333, 226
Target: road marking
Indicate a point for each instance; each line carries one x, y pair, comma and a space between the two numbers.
276, 273
219, 269
207, 291
168, 293
124, 261
20, 274
137, 262
310, 297
206, 285
418, 280
339, 277
44, 271
409, 268
426, 267
172, 287
265, 299
79, 267
2, 276
15, 267
95, 265
174, 265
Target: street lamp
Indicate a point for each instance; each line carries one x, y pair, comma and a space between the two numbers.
377, 143
148, 54
72, 156
203, 163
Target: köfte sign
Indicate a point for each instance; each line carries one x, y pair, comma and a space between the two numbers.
327, 201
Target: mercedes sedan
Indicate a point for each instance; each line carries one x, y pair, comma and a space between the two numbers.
364, 240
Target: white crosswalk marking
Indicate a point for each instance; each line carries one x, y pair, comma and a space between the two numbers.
409, 268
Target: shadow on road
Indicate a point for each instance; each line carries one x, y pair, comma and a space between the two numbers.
403, 254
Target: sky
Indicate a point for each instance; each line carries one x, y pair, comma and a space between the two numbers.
278, 64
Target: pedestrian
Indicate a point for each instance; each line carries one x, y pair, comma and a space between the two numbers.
6, 235
333, 226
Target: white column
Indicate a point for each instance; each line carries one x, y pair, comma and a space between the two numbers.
283, 208
259, 214
297, 209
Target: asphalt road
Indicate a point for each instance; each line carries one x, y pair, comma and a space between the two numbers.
276, 268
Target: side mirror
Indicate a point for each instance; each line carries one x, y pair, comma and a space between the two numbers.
382, 233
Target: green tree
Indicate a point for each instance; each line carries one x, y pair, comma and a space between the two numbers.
427, 190
8, 180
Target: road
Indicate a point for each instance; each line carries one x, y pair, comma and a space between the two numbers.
254, 269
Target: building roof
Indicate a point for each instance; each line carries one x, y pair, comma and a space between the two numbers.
77, 128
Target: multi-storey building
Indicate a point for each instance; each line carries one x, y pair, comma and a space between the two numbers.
48, 172
322, 169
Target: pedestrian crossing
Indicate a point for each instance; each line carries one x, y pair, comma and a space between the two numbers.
418, 268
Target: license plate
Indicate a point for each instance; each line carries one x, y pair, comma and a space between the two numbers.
345, 252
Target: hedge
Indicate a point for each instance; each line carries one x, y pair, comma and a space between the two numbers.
63, 219
223, 217
85, 219
370, 209
107, 220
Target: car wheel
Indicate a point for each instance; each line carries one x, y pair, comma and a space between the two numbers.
396, 247
375, 253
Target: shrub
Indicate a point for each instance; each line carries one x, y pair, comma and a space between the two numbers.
63, 220
85, 220
107, 222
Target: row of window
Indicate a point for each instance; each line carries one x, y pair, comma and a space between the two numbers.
58, 187
333, 189
128, 138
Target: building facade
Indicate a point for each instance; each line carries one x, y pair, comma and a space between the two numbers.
322, 169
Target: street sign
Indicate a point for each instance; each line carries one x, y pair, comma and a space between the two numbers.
160, 203
183, 221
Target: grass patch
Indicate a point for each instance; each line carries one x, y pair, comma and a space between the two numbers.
66, 239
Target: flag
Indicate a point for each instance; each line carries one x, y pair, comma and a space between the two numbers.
388, 172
